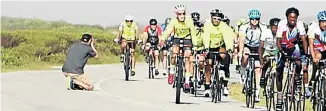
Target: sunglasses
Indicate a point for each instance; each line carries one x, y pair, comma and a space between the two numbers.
254, 18
129, 20
181, 13
217, 18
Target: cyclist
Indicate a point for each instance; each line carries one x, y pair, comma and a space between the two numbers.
151, 36
239, 22
268, 43
166, 46
77, 57
217, 37
288, 34
183, 28
128, 31
200, 46
250, 35
317, 39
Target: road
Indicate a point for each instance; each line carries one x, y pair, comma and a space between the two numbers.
45, 91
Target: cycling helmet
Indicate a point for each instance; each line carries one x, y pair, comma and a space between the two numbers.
129, 17
292, 10
86, 37
274, 21
167, 20
254, 13
218, 13
179, 7
195, 16
152, 22
321, 15
241, 21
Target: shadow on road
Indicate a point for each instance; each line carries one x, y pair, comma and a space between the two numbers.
260, 109
187, 103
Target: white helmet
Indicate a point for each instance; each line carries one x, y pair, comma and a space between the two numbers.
129, 17
179, 7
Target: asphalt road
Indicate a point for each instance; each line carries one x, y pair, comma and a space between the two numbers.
46, 91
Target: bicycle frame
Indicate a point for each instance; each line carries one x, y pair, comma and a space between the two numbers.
217, 77
151, 62
250, 82
319, 91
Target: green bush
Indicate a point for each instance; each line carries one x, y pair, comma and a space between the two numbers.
27, 42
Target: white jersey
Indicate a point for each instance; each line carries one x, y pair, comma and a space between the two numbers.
269, 41
253, 36
319, 37
289, 37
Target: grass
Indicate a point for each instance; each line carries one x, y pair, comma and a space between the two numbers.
236, 93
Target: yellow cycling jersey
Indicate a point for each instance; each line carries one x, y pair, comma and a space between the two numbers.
184, 29
128, 32
216, 36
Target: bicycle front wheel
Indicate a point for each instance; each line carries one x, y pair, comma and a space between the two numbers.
127, 66
179, 80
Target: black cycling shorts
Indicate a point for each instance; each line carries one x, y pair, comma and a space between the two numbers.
131, 44
253, 50
186, 42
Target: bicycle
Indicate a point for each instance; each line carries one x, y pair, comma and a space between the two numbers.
197, 75
270, 83
217, 78
292, 87
319, 88
180, 69
151, 63
249, 87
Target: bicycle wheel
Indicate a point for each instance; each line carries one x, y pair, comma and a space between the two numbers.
195, 83
179, 80
150, 70
300, 96
314, 97
127, 65
253, 89
290, 98
271, 102
248, 90
217, 90
323, 100
213, 86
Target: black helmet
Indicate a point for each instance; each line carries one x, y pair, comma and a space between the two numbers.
226, 20
195, 16
218, 13
86, 37
153, 22
274, 21
292, 10
167, 20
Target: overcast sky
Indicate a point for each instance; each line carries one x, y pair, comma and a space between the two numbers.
108, 13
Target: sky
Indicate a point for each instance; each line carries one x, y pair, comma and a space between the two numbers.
110, 13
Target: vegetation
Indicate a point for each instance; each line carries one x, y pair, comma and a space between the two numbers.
34, 43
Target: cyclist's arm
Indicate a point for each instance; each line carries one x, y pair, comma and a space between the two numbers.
279, 35
242, 36
193, 33
159, 32
120, 29
168, 30
311, 37
262, 42
228, 36
303, 36
206, 35
137, 32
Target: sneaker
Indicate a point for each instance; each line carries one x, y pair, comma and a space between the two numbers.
156, 72
308, 93
187, 87
121, 58
226, 91
69, 83
171, 78
207, 93
164, 72
257, 98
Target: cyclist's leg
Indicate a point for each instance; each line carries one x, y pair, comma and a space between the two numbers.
319, 55
235, 57
279, 82
132, 46
257, 74
208, 68
244, 61
225, 60
187, 55
122, 48
165, 52
156, 53
175, 51
298, 68
264, 69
